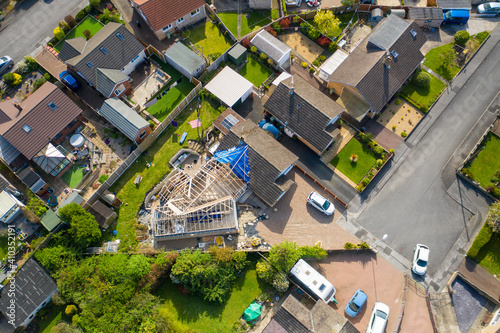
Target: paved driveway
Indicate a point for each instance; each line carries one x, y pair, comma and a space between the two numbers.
293, 219
422, 201
33, 21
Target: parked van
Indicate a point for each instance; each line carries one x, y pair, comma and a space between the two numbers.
456, 16
315, 284
270, 128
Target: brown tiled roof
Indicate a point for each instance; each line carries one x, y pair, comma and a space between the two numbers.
365, 69
267, 159
218, 122
44, 122
161, 13
307, 111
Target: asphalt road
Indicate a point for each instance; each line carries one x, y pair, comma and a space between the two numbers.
417, 203
31, 22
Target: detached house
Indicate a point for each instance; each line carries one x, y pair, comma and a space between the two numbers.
257, 158
33, 129
377, 68
166, 17
306, 112
106, 60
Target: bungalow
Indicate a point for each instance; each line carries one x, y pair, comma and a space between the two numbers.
306, 112
275, 49
33, 129
258, 159
125, 119
106, 60
370, 76
166, 17
184, 60
33, 290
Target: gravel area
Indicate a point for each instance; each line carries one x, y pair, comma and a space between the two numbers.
467, 302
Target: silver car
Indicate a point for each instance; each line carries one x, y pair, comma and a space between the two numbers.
320, 203
6, 63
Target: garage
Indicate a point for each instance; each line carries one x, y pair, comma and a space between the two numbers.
230, 87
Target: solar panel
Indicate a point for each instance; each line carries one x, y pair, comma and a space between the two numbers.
229, 121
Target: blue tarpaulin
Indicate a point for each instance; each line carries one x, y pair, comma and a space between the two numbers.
238, 159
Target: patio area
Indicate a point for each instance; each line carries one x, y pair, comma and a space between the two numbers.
302, 45
400, 118
149, 80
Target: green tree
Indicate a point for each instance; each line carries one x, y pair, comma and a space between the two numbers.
327, 23
64, 327
84, 229
70, 310
12, 79
59, 33
283, 256
461, 37
55, 258
493, 217
95, 3
139, 265
447, 58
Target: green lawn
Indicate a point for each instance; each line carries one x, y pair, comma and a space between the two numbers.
230, 20
159, 153
73, 176
53, 317
89, 23
255, 72
489, 255
433, 61
208, 39
255, 21
354, 171
423, 98
201, 316
487, 161
3, 247
161, 109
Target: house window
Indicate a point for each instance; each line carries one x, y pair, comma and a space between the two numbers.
180, 20
72, 123
30, 317
27, 129
120, 36
44, 303
103, 50
195, 12
229, 121
118, 92
90, 64
53, 106
135, 58
428, 21
394, 54
58, 135
413, 33
168, 27
142, 134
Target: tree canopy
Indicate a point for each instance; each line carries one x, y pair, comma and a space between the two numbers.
493, 217
326, 23
84, 229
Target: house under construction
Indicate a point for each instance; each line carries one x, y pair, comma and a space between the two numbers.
200, 204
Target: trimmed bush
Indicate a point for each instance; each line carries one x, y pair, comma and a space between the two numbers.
253, 49
350, 246
365, 181
58, 33
12, 79
404, 134
379, 151
103, 178
38, 83
316, 62
95, 3
263, 56
364, 245
322, 58
316, 252
46, 76
482, 238
422, 80
87, 34
398, 101
70, 310
65, 26
32, 63
461, 37
379, 163
70, 20
314, 33
274, 14
360, 187
332, 47
311, 70
391, 151
365, 137
304, 64
81, 15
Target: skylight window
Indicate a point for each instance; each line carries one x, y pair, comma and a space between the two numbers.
120, 36
103, 50
413, 33
229, 121
53, 106
90, 64
27, 129
394, 54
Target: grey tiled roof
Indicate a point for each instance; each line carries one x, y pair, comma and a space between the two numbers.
184, 57
119, 52
289, 322
122, 117
270, 45
425, 13
388, 32
107, 79
454, 4
33, 286
267, 159
72, 47
307, 111
365, 69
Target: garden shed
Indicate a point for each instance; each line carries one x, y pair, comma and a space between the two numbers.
377, 15
230, 87
238, 54
184, 60
275, 49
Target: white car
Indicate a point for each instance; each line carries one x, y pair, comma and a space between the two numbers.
378, 319
489, 8
320, 203
420, 259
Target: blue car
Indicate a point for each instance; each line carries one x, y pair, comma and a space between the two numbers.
356, 303
270, 128
69, 80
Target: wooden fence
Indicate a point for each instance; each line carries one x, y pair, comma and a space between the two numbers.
143, 146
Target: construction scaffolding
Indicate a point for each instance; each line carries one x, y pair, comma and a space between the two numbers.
205, 203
